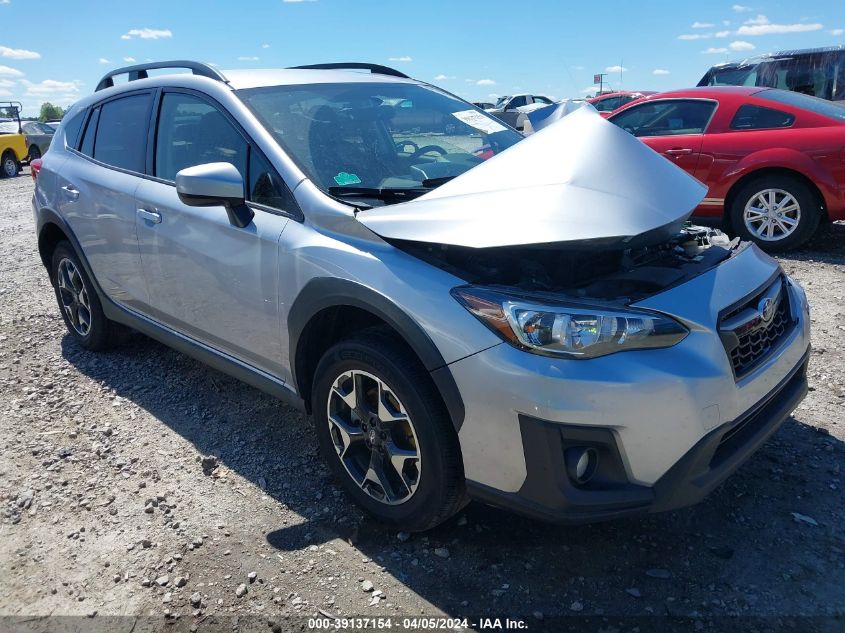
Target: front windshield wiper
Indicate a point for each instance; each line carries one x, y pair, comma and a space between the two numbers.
388, 194
431, 183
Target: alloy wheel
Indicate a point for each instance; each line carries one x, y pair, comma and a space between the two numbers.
772, 215
374, 437
74, 297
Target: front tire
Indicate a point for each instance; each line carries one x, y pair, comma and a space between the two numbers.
9, 167
778, 213
79, 303
385, 433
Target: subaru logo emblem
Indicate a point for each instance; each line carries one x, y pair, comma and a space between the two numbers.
766, 308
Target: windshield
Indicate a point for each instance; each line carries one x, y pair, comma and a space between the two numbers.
733, 76
9, 127
379, 136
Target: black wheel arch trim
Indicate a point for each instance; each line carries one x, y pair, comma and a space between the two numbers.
330, 292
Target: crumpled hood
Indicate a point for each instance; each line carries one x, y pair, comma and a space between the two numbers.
581, 179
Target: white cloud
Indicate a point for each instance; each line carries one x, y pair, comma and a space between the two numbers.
721, 34
6, 71
265, 46
442, 77
5, 1
103, 60
760, 19
837, 31
3, 91
6, 83
403, 58
695, 36
18, 53
702, 25
589, 89
659, 71
741, 8
50, 87
777, 29
739, 45
129, 59
615, 69
714, 51
485, 82
147, 34
247, 58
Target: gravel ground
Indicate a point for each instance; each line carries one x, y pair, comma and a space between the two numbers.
142, 484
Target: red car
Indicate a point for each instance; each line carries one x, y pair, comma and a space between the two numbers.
610, 101
774, 160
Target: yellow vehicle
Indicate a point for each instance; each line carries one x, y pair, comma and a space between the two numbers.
13, 148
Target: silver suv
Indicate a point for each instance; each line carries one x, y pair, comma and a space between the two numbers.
464, 312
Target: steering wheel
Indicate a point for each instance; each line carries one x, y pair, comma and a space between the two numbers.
426, 149
401, 145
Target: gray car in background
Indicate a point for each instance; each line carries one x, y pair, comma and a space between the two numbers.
38, 138
465, 313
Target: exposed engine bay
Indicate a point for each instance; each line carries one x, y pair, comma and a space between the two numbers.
611, 275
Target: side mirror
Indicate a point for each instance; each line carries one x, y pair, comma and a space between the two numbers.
212, 185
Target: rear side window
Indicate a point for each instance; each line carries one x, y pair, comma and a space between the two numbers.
87, 145
191, 132
752, 117
121, 139
72, 127
806, 102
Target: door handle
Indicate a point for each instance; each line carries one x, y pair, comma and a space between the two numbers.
150, 216
679, 151
71, 191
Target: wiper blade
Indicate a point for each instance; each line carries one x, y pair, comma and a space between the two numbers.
387, 193
430, 183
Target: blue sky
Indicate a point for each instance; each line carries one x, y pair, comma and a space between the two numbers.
56, 50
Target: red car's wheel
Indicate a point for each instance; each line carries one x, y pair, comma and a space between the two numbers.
776, 212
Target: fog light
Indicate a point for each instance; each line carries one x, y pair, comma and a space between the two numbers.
581, 463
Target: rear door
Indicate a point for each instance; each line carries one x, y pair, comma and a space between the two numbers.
673, 127
209, 279
97, 193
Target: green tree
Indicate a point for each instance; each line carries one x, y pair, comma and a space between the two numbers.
50, 112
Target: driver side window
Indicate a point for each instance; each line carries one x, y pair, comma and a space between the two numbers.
517, 102
666, 118
192, 132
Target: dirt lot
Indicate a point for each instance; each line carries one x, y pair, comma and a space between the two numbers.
110, 509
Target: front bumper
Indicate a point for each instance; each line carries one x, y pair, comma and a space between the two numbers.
661, 418
549, 494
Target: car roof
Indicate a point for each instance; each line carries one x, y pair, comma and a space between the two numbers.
260, 78
707, 92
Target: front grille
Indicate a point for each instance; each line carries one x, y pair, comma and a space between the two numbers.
750, 335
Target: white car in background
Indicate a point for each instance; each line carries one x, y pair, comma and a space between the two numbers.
514, 110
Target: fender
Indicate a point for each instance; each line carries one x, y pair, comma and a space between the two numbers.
45, 216
328, 292
785, 158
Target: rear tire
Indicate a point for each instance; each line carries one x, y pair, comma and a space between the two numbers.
412, 478
34, 152
79, 303
777, 213
9, 166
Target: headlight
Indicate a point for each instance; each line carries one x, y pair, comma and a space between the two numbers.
568, 330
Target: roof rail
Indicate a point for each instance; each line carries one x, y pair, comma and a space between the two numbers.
139, 71
373, 68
